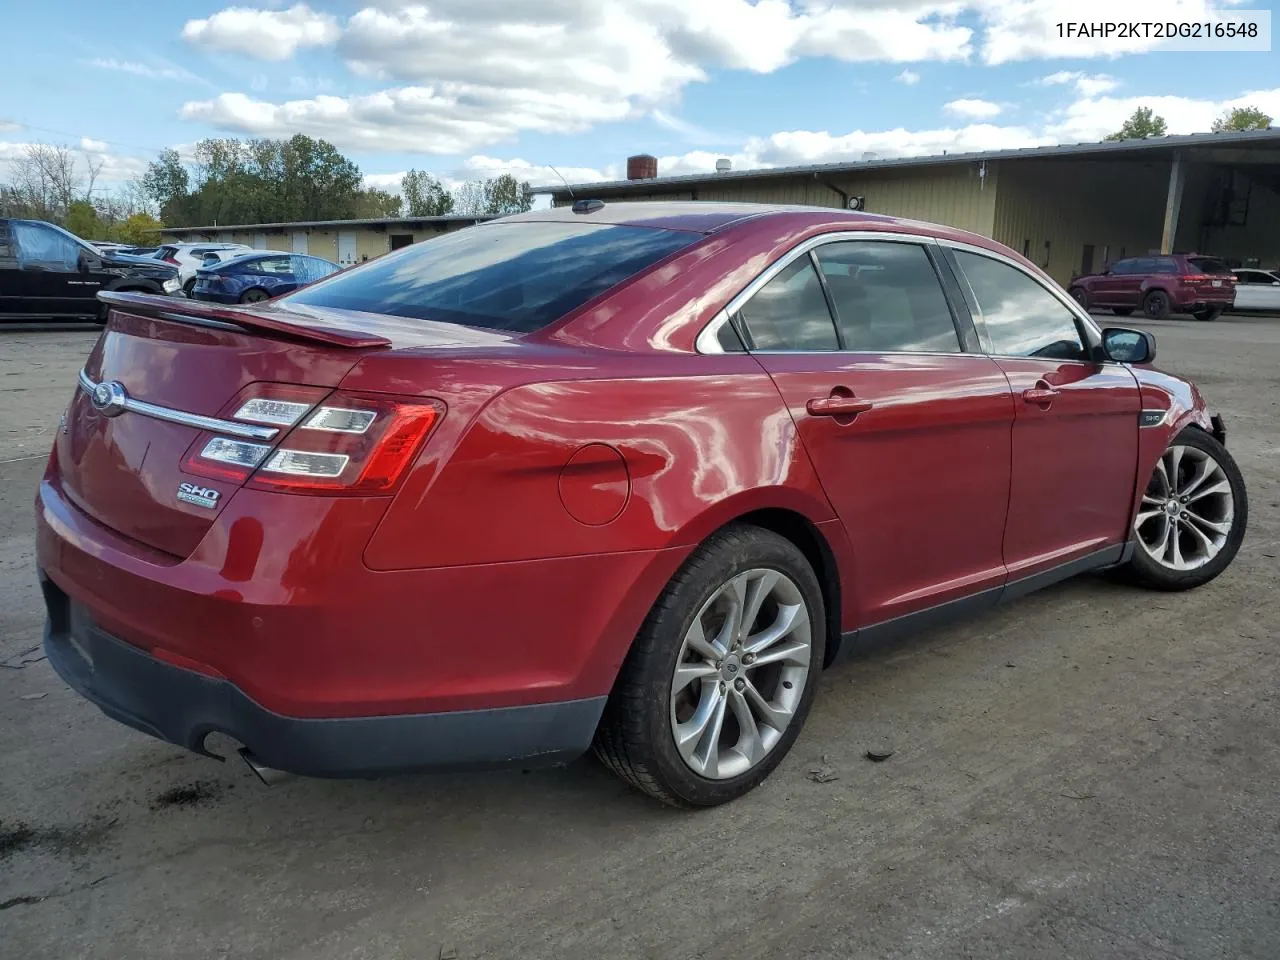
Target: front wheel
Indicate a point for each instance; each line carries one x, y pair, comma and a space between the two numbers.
720, 678
1081, 297
1192, 517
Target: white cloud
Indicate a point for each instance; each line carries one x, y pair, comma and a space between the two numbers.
909, 77
163, 71
264, 34
93, 146
973, 109
1089, 85
1092, 118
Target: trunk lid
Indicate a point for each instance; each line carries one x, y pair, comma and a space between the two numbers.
125, 471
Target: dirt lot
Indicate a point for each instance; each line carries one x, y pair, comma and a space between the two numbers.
1089, 773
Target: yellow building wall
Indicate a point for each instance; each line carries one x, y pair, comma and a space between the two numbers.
371, 242
1116, 207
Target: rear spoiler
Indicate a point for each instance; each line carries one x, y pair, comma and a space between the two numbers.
198, 313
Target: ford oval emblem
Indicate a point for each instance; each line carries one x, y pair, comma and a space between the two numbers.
109, 399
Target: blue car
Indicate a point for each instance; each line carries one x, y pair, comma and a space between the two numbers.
258, 276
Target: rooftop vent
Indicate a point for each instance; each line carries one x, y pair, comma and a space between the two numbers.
724, 165
642, 167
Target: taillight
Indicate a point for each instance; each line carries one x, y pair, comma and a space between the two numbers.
352, 443
172, 260
349, 443
1194, 277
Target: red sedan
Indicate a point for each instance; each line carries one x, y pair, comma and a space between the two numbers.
627, 476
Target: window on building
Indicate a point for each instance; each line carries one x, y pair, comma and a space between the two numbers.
887, 298
1023, 319
790, 312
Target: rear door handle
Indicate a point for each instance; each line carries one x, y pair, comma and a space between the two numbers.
837, 406
1041, 395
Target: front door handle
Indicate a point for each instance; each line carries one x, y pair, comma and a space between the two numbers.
1041, 394
837, 406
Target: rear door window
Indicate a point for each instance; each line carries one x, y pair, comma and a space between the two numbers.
503, 276
790, 312
887, 297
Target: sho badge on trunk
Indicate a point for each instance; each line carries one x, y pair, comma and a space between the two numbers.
199, 496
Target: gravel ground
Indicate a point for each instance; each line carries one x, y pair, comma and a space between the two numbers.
1088, 773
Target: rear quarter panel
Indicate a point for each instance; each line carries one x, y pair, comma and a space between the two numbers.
675, 446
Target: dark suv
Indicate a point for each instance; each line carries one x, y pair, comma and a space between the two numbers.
47, 273
1159, 286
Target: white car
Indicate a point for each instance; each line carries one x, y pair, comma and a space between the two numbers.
190, 257
1257, 289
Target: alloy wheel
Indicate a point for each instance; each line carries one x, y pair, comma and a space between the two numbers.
1187, 510
740, 674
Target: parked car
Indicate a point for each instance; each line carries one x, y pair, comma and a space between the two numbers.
258, 276
1159, 286
1257, 289
47, 273
628, 475
190, 257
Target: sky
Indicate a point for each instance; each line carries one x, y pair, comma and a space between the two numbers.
475, 88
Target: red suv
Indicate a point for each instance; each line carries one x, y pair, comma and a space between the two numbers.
627, 476
1159, 286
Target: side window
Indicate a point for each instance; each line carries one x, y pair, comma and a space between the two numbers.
1022, 318
309, 269
1166, 265
1122, 267
42, 245
5, 251
790, 312
887, 298
274, 265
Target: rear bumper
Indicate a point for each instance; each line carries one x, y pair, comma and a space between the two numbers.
183, 707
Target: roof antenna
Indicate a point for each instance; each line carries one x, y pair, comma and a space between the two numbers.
561, 176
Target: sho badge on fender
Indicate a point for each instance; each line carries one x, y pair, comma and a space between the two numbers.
199, 496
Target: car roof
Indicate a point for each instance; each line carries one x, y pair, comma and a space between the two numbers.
699, 216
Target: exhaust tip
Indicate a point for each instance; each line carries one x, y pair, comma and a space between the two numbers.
268, 775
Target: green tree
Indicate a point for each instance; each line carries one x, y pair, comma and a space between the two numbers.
167, 184
1242, 118
1144, 123
497, 197
82, 220
138, 229
373, 203
424, 195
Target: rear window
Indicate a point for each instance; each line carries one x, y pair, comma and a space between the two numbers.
1208, 265
502, 276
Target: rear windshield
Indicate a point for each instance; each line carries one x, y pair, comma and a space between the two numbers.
1208, 265
503, 276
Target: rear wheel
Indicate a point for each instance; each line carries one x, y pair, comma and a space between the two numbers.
1081, 296
253, 296
188, 287
1192, 517
1208, 314
1122, 311
1156, 305
720, 679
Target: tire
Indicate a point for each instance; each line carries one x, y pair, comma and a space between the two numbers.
1208, 315
1154, 555
1081, 296
637, 734
1156, 305
1122, 311
255, 295
188, 287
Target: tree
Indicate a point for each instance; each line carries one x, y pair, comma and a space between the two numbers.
1144, 123
139, 230
46, 180
373, 203
168, 185
497, 197
82, 220
424, 195
1242, 118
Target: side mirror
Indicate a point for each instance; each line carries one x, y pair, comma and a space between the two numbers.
89, 262
1128, 346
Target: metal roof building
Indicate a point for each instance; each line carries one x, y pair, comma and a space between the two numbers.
342, 241
1071, 207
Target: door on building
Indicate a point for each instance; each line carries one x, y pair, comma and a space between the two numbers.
399, 240
259, 241
300, 242
347, 248
1075, 428
861, 342
1086, 260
